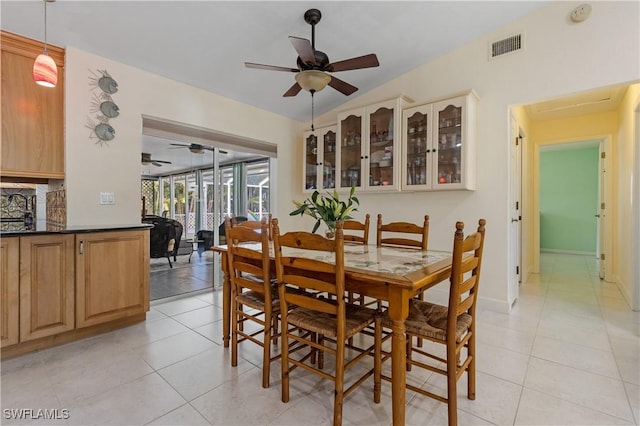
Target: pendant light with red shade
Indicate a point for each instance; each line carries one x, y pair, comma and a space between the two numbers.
45, 71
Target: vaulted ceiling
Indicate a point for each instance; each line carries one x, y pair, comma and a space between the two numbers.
205, 43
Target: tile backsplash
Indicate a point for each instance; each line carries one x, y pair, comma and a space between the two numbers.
18, 205
57, 207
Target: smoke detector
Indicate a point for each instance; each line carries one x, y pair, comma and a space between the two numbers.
581, 13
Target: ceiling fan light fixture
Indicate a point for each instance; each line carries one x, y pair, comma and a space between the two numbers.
196, 150
313, 80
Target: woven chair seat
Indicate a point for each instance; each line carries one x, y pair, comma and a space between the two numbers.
357, 319
255, 300
430, 320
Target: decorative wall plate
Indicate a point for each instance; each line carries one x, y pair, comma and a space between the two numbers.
103, 106
104, 132
109, 109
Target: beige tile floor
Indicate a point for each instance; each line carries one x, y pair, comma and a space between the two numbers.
568, 354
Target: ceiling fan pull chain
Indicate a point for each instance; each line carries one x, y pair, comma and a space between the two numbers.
312, 129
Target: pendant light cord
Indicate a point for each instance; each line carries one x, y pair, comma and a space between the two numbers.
45, 26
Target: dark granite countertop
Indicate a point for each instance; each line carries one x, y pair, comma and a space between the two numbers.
8, 229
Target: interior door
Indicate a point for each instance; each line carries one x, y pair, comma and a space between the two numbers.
516, 213
601, 214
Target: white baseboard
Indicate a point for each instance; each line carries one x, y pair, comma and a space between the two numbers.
584, 253
436, 295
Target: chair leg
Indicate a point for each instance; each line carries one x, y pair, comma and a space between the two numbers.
320, 352
266, 348
276, 324
419, 342
284, 358
452, 393
409, 346
471, 369
169, 259
377, 360
314, 351
339, 384
234, 330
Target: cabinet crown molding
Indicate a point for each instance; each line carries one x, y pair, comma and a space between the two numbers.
29, 48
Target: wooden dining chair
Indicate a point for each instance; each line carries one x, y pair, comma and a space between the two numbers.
255, 224
362, 234
251, 286
453, 326
392, 234
398, 234
314, 324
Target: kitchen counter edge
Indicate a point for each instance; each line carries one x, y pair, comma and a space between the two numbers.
41, 229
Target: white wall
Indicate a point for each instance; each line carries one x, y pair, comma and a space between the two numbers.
559, 58
114, 166
627, 144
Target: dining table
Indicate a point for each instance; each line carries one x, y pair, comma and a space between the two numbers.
391, 274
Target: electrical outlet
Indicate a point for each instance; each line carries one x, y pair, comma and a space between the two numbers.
107, 198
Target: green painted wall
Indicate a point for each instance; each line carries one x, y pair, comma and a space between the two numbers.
569, 199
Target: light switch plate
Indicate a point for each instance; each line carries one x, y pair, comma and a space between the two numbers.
107, 198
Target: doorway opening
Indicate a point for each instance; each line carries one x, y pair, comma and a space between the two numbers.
196, 177
569, 198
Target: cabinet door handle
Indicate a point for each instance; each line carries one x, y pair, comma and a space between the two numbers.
81, 246
433, 150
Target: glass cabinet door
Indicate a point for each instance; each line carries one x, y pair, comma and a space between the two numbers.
329, 160
351, 151
381, 148
417, 148
311, 162
449, 137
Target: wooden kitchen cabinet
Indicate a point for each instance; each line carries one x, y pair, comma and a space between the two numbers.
9, 291
32, 144
46, 285
112, 276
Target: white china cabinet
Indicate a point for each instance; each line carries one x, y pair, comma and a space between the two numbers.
319, 153
438, 145
369, 147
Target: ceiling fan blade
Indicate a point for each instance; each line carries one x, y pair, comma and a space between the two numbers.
178, 144
269, 67
293, 90
156, 163
304, 49
342, 86
366, 61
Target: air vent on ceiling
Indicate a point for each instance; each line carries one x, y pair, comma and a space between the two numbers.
507, 45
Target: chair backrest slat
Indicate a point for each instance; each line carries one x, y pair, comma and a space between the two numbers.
296, 273
467, 261
249, 268
354, 225
387, 234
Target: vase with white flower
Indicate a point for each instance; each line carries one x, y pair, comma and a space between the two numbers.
327, 208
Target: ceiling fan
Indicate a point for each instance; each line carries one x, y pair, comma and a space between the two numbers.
313, 65
146, 160
196, 148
